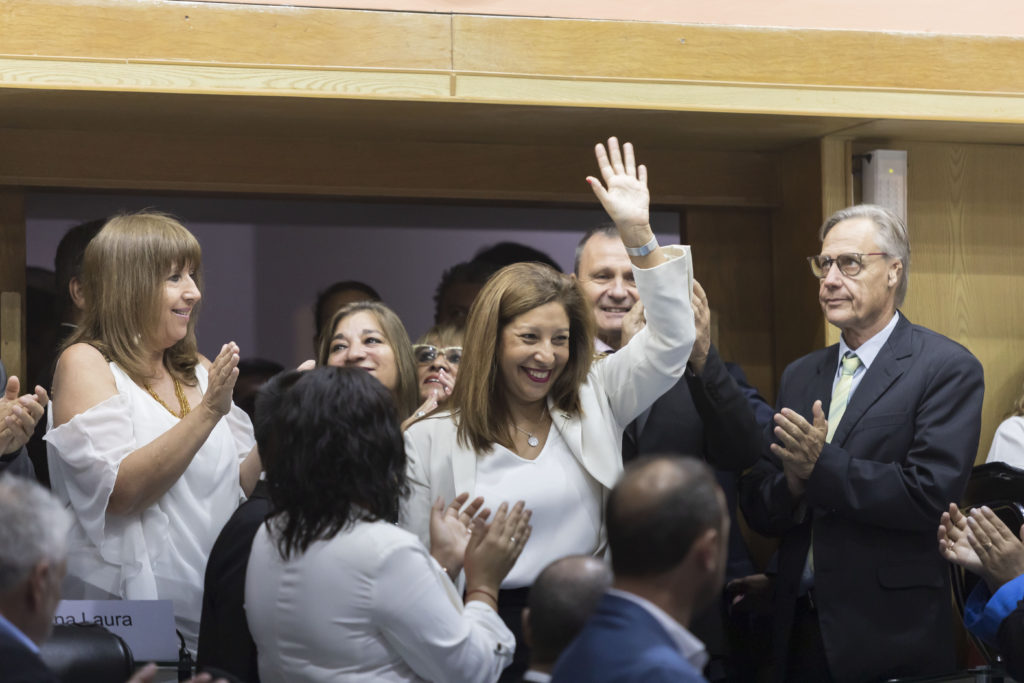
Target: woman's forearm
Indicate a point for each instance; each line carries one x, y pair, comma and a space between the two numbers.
148, 472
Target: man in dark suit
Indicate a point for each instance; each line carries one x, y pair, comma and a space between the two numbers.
33, 533
707, 414
667, 531
18, 418
873, 437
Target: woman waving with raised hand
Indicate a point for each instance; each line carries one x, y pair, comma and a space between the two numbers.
533, 416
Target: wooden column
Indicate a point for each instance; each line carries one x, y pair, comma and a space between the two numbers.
12, 281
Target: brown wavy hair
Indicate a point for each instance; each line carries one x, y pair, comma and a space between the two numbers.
406, 393
479, 398
123, 274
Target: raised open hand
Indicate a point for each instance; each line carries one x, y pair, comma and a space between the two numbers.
223, 373
624, 194
953, 543
702, 320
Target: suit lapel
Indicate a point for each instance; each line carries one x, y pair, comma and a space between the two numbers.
571, 429
821, 385
884, 371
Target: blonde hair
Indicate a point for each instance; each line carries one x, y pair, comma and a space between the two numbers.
1018, 407
479, 396
123, 274
443, 335
406, 392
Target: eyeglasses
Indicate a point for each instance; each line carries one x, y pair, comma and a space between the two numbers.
850, 265
428, 353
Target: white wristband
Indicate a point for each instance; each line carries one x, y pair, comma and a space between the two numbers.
645, 249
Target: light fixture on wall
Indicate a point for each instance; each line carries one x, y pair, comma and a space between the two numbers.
884, 179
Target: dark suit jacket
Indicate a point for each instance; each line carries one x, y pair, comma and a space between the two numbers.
708, 416
224, 639
623, 643
1011, 642
903, 450
18, 664
17, 462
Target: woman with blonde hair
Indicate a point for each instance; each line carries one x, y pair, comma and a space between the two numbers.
144, 444
1008, 443
533, 417
438, 354
368, 335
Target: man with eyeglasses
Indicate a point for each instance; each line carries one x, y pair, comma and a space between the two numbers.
873, 438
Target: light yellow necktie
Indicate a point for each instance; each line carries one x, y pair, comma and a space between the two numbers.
841, 394
840, 398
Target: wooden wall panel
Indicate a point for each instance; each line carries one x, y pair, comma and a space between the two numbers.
966, 222
732, 260
349, 166
609, 49
222, 34
12, 281
798, 321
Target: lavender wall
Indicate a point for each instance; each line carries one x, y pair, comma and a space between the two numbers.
264, 260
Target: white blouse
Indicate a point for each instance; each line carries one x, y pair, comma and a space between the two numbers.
369, 604
564, 498
161, 552
1008, 444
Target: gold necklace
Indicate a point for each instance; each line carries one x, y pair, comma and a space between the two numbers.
179, 392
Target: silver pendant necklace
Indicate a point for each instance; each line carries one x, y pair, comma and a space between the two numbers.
532, 440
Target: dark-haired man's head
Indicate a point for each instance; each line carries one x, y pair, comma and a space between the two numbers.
335, 297
506, 253
252, 374
457, 290
668, 532
605, 274
67, 267
562, 598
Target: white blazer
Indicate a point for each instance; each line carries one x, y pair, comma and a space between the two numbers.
618, 388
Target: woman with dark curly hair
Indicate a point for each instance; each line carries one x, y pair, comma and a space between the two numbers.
334, 589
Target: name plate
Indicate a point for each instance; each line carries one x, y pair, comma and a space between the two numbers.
146, 625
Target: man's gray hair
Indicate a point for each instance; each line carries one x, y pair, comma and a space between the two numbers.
606, 229
33, 527
892, 237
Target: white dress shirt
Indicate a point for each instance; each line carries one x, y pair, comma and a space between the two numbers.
1008, 443
368, 605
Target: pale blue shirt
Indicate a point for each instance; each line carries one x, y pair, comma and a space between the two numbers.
867, 352
9, 628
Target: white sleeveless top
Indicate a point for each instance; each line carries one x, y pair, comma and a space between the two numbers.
161, 552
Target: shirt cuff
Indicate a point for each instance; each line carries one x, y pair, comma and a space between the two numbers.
984, 612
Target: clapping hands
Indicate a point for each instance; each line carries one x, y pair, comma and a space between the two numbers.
981, 543
450, 530
19, 415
